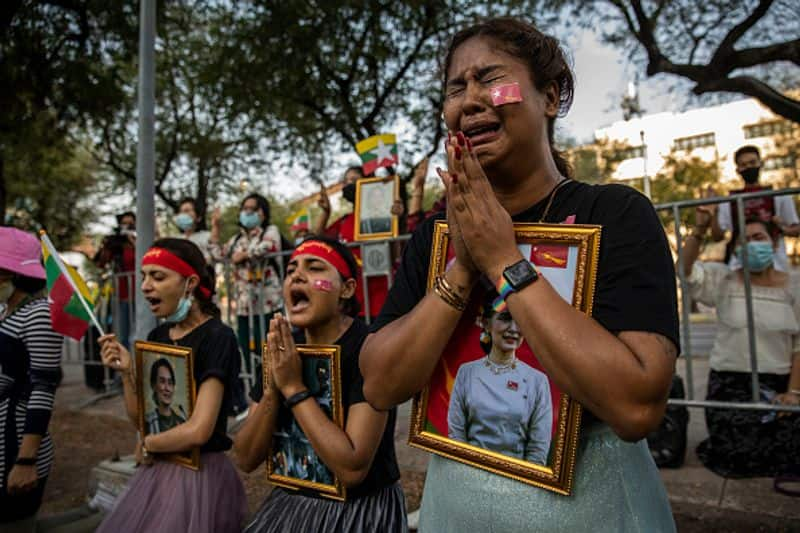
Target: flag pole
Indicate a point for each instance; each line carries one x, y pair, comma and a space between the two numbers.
52, 251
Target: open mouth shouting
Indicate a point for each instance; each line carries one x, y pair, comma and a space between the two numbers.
299, 300
482, 131
155, 304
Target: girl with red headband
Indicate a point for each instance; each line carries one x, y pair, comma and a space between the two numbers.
164, 496
319, 291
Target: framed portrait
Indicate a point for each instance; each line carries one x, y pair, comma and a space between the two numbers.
166, 393
291, 460
490, 403
373, 208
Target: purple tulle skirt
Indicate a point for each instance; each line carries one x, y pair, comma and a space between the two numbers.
383, 511
169, 498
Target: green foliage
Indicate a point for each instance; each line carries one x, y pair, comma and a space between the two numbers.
682, 179
50, 180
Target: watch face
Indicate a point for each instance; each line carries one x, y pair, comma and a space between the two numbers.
520, 274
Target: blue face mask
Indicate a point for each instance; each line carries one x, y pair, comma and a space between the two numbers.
184, 221
760, 255
249, 219
182, 311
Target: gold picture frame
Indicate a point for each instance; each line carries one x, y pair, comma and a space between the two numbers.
180, 363
568, 252
289, 451
361, 229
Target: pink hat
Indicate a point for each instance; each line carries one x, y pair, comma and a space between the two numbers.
21, 253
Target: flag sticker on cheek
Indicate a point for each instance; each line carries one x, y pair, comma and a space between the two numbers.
322, 285
506, 94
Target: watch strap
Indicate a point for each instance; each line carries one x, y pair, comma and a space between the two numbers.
294, 399
25, 461
504, 288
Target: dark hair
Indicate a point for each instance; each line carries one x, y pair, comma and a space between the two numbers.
262, 203
125, 214
746, 149
28, 284
154, 370
543, 55
487, 312
201, 221
191, 254
354, 168
154, 375
351, 306
772, 228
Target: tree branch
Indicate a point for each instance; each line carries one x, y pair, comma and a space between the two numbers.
725, 48
774, 100
749, 57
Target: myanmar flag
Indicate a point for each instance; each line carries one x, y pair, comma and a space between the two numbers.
378, 151
300, 220
68, 295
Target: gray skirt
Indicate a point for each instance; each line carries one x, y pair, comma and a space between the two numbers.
616, 488
383, 511
168, 498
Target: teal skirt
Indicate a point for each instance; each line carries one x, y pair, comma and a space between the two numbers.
616, 488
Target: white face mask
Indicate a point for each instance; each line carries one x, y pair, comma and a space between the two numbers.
6, 290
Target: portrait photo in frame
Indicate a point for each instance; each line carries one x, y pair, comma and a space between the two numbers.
490, 403
373, 208
291, 460
166, 393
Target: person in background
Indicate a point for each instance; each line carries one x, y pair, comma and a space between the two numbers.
30, 371
118, 251
778, 209
416, 214
343, 230
256, 280
164, 497
749, 443
192, 226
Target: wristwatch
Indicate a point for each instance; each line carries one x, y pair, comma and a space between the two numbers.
520, 275
514, 278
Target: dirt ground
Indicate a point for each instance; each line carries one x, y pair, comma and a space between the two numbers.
82, 440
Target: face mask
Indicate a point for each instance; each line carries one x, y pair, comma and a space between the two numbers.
349, 192
248, 219
184, 221
760, 255
750, 175
6, 290
182, 311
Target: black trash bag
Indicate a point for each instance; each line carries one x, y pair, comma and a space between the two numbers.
668, 442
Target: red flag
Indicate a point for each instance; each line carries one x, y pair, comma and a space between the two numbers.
549, 255
506, 94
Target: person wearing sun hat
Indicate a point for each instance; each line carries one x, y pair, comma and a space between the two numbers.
30, 370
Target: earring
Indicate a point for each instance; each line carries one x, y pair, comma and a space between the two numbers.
485, 337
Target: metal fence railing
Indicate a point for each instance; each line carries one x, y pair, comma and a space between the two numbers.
376, 258
675, 209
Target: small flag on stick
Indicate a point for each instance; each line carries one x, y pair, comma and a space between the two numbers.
301, 220
378, 151
68, 295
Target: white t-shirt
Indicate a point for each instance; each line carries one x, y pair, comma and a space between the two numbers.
784, 208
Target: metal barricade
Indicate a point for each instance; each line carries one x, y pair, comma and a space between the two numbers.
675, 209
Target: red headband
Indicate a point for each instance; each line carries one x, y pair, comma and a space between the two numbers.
166, 259
325, 251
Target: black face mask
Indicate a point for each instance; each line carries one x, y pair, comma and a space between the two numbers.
750, 175
349, 192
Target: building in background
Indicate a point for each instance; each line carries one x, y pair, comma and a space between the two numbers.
711, 134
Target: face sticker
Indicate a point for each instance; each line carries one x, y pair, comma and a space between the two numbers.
506, 94
322, 285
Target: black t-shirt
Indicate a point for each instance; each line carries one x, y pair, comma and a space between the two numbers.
216, 354
384, 470
635, 289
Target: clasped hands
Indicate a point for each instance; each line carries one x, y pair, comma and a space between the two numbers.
481, 230
285, 373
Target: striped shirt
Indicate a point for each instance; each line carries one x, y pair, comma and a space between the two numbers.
30, 370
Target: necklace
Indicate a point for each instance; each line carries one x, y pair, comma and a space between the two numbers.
500, 369
551, 196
